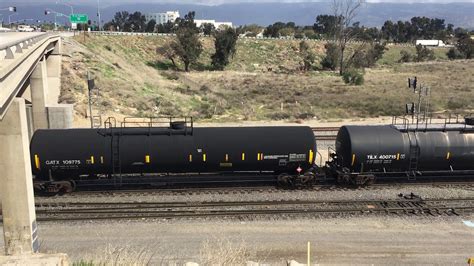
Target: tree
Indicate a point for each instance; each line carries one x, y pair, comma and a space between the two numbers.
345, 11
168, 52
465, 45
325, 24
187, 45
405, 56
150, 26
389, 31
307, 55
375, 53
119, 20
274, 30
423, 53
367, 57
168, 27
286, 31
225, 42
331, 60
454, 53
135, 22
207, 28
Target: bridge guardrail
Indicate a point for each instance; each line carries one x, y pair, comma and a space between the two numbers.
20, 44
17, 61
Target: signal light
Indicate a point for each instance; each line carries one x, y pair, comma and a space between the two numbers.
410, 108
12, 9
412, 83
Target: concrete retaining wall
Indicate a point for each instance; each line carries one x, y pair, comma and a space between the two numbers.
60, 116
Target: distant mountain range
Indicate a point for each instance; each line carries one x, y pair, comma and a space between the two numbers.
302, 13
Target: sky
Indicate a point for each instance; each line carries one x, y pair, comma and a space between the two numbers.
216, 2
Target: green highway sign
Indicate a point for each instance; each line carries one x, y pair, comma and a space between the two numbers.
78, 18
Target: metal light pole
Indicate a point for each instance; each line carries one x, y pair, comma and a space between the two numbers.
98, 12
70, 6
49, 10
24, 20
9, 18
10, 8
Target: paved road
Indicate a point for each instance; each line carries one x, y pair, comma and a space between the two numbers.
8, 37
356, 240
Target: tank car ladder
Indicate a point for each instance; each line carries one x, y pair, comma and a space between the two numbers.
110, 124
116, 163
414, 155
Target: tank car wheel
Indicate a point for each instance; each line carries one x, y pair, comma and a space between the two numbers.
343, 179
307, 179
285, 180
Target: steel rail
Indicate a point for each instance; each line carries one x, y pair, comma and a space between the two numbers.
223, 190
108, 211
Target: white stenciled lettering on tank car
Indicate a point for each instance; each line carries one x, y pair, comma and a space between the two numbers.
297, 157
71, 162
385, 156
274, 157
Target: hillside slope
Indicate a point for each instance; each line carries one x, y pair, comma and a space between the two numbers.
261, 83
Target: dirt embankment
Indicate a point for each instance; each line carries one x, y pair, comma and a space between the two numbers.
261, 83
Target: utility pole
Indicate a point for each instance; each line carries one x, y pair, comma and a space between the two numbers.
90, 87
98, 12
423, 94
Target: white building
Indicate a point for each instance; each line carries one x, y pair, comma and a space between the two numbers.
217, 25
162, 18
433, 43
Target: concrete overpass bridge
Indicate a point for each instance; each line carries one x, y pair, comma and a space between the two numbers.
30, 78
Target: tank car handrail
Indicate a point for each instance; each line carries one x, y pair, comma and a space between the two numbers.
406, 121
320, 158
166, 124
108, 122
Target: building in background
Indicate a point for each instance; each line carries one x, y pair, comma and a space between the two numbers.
217, 25
162, 18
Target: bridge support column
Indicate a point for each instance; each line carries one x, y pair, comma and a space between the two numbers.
39, 98
16, 189
53, 64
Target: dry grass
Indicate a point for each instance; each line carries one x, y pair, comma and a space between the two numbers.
118, 256
134, 81
222, 251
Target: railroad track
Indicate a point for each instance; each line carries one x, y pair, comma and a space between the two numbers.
245, 190
77, 211
325, 133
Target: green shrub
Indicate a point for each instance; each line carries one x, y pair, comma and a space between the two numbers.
83, 263
331, 60
423, 53
353, 77
454, 53
405, 56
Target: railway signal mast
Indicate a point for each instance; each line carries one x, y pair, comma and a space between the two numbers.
423, 94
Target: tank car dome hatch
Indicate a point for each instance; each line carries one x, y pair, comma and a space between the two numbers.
178, 125
469, 120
